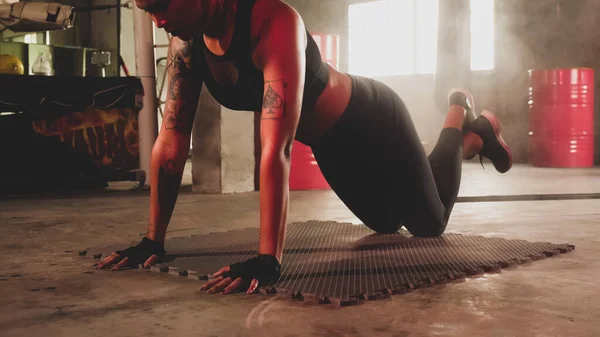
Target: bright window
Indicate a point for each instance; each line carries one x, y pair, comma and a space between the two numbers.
482, 34
30, 38
393, 37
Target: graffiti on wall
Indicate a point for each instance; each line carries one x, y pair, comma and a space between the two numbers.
110, 137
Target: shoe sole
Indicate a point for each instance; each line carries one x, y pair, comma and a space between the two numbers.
497, 128
469, 97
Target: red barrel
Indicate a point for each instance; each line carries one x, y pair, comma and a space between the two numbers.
305, 173
561, 119
329, 45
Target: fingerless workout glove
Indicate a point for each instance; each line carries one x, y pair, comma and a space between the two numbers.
265, 268
139, 254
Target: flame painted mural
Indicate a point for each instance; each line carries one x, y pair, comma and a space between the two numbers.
110, 137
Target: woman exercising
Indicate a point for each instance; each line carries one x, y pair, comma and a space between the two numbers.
256, 55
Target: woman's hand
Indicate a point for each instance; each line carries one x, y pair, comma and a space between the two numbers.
245, 276
227, 285
147, 252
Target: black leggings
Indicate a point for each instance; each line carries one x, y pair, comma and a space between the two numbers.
375, 163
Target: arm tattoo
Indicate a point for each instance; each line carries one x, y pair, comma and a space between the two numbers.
169, 182
180, 107
274, 99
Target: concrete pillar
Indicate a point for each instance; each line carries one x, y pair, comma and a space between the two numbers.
237, 151
146, 71
222, 148
206, 146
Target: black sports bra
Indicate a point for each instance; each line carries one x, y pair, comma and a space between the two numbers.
233, 80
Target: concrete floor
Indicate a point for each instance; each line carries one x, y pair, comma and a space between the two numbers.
45, 290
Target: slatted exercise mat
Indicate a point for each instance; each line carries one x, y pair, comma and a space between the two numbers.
345, 264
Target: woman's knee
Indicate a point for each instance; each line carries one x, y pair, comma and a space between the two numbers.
427, 229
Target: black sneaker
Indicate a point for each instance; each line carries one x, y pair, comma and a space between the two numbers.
464, 98
487, 126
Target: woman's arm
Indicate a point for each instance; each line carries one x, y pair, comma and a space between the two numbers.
282, 53
169, 154
279, 48
172, 146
